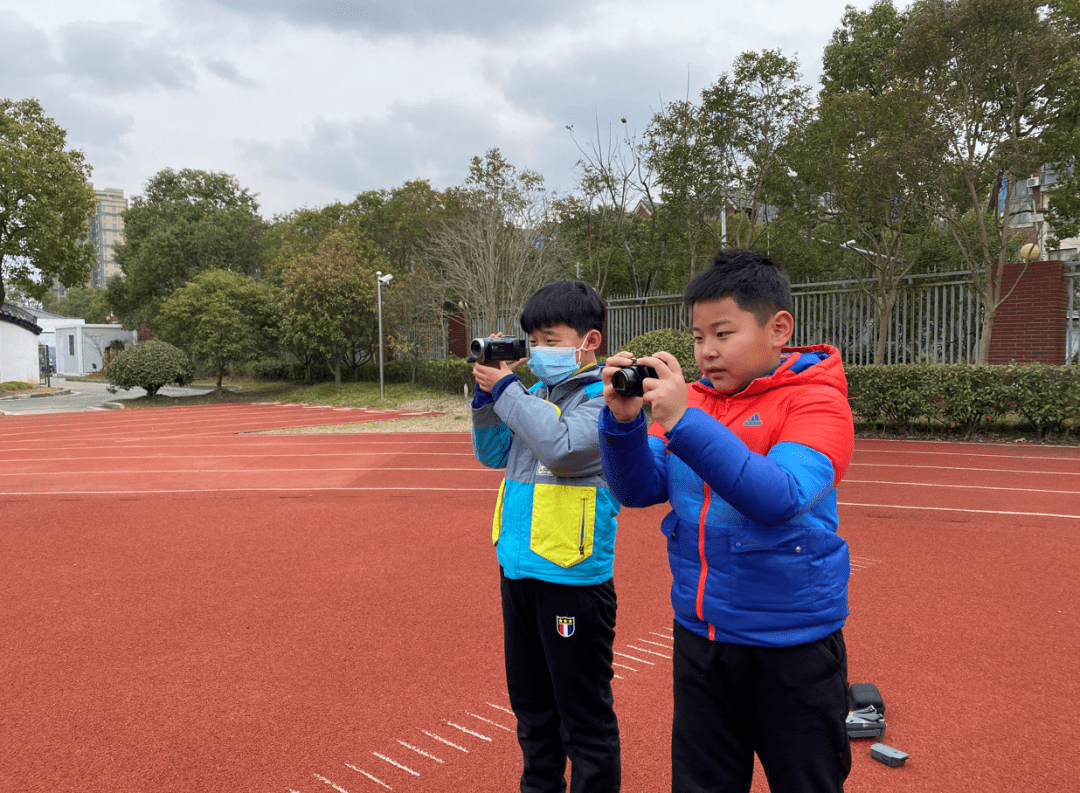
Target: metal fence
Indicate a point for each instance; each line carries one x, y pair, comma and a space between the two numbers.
936, 319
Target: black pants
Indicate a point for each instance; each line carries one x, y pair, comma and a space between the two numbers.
560, 685
788, 704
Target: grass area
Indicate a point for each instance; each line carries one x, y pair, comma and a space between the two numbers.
14, 386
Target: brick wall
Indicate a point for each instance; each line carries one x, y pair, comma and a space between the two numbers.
1030, 324
458, 334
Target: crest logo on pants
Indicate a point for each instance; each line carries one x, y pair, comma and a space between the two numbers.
566, 626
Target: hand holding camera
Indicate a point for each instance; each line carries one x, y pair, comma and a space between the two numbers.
494, 358
655, 380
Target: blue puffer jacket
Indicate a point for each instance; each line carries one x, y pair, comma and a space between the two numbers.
751, 479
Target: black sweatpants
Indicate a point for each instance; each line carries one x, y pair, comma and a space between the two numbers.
559, 682
787, 704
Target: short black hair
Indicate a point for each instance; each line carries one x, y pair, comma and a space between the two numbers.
573, 303
755, 281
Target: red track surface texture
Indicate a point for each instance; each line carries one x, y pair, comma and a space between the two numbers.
184, 607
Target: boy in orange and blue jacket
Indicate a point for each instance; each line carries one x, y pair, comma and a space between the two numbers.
749, 457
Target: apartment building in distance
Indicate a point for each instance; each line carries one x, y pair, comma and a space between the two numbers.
106, 230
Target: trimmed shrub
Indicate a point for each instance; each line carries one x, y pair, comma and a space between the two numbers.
965, 397
149, 365
677, 342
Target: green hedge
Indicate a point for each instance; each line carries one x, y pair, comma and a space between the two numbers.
1045, 399
678, 343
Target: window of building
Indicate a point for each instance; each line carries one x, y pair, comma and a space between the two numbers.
71, 345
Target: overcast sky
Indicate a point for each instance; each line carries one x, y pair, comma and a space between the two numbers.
308, 102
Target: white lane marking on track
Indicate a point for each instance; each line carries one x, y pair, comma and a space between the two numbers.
489, 721
338, 788
957, 509
470, 732
963, 468
647, 650
500, 707
369, 776
623, 666
141, 471
958, 487
619, 677
421, 752
655, 644
443, 740
663, 635
632, 658
396, 764
386, 489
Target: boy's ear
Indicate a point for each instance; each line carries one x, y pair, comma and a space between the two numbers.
781, 328
593, 339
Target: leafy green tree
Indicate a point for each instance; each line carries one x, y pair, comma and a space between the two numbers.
326, 299
220, 317
185, 223
45, 203
400, 220
859, 55
723, 161
989, 68
876, 157
1062, 139
150, 365
82, 301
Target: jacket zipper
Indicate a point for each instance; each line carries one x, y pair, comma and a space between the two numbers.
581, 537
704, 564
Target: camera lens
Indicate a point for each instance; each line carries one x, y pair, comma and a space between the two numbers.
477, 348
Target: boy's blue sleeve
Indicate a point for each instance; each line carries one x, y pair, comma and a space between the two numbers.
634, 463
491, 438
768, 490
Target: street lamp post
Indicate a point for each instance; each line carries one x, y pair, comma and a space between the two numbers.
381, 279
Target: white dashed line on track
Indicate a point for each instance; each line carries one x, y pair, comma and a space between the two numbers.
623, 666
338, 788
467, 730
421, 752
369, 776
489, 721
632, 658
646, 650
443, 740
396, 764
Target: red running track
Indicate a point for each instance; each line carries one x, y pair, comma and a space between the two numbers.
186, 607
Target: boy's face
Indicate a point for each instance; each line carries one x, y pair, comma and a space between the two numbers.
731, 347
562, 335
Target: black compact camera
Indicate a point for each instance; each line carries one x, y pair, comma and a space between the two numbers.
486, 351
627, 381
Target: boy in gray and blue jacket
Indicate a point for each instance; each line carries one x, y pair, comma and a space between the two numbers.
554, 532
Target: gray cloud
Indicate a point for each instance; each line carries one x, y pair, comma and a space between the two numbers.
479, 18
427, 141
228, 71
114, 58
25, 56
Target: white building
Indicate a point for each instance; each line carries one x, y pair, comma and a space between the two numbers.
18, 345
80, 348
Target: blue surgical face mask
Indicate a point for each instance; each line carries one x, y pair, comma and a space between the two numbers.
552, 365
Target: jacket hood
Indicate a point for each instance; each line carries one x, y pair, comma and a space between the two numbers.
817, 364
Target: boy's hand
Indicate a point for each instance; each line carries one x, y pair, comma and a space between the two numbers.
624, 409
666, 394
487, 375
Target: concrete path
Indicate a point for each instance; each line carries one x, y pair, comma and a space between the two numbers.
85, 396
